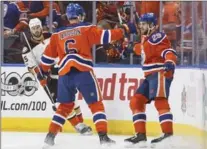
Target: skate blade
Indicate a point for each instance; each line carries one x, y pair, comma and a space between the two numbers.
105, 145
152, 145
141, 144
87, 133
46, 146
160, 145
165, 143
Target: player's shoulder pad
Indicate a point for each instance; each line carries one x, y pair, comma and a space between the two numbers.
156, 38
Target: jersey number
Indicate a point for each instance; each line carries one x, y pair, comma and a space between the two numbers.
69, 50
156, 36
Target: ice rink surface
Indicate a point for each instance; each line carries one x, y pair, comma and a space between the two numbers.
16, 140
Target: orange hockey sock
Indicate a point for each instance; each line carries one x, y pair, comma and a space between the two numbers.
59, 117
138, 105
72, 118
79, 114
139, 120
165, 116
166, 122
80, 117
99, 117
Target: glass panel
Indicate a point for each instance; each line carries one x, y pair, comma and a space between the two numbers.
185, 23
51, 14
170, 23
12, 50
201, 57
2, 32
186, 49
109, 15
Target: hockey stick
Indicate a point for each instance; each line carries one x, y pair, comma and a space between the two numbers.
36, 70
119, 16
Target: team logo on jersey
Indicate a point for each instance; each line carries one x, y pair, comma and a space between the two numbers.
16, 85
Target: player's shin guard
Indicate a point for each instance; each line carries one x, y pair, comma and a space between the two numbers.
137, 105
60, 117
139, 121
100, 121
58, 121
165, 116
99, 117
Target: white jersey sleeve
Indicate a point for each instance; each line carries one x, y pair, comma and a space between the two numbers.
39, 49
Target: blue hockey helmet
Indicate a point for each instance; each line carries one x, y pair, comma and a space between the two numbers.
149, 18
72, 11
81, 11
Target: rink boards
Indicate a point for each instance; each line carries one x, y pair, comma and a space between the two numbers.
32, 111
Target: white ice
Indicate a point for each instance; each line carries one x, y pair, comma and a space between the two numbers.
23, 140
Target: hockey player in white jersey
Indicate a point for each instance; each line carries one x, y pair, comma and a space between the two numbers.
33, 49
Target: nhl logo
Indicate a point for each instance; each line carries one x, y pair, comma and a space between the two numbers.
92, 94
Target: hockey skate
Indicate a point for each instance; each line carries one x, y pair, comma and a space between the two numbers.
83, 129
49, 141
163, 137
139, 140
105, 140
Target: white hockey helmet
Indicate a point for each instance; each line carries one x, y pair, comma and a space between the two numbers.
35, 22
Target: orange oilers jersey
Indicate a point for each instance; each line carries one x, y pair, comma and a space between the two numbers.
72, 45
155, 51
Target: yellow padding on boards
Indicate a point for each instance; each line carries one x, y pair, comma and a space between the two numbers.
120, 127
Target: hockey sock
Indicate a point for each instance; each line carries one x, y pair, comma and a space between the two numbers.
59, 117
165, 116
79, 114
72, 118
139, 121
99, 116
166, 122
137, 105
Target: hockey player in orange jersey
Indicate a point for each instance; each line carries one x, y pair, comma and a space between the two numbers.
38, 41
72, 45
158, 64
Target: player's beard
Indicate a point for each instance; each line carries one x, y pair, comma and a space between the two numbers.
38, 36
144, 32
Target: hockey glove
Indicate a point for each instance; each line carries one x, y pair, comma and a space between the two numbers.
125, 29
9, 33
127, 49
132, 28
169, 66
42, 76
129, 28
